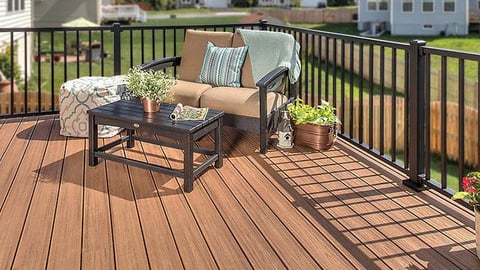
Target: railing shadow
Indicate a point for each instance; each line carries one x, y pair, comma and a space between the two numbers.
362, 204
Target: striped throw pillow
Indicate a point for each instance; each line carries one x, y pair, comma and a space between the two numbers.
222, 66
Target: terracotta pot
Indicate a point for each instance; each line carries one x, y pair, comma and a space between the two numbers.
150, 105
317, 137
5, 86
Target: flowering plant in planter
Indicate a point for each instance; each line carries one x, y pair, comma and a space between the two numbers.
471, 190
315, 127
302, 113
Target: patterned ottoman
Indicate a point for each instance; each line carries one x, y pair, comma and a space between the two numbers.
79, 95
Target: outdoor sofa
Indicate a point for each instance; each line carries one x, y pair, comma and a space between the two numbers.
252, 100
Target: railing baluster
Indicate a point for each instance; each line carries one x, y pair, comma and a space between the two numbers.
327, 58
370, 97
428, 87
342, 87
382, 101
443, 124
461, 120
352, 109
360, 94
394, 105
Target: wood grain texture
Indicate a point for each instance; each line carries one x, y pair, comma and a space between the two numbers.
297, 208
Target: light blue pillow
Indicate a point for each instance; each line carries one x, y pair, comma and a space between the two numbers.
222, 66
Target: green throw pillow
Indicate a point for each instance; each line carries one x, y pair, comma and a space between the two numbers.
222, 66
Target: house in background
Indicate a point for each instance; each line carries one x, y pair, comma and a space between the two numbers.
313, 3
17, 14
55, 12
203, 3
414, 17
273, 3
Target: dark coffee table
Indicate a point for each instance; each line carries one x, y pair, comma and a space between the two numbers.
129, 114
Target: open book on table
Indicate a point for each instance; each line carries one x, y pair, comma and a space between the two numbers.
185, 112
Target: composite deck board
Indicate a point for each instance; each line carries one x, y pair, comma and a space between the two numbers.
296, 209
221, 242
159, 241
66, 239
193, 249
301, 229
22, 174
287, 211
97, 239
41, 214
128, 238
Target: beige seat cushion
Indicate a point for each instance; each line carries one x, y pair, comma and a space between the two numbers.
194, 51
239, 101
188, 93
247, 76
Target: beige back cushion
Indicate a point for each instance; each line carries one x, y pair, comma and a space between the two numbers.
247, 75
194, 51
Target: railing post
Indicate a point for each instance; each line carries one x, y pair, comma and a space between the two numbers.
117, 60
416, 116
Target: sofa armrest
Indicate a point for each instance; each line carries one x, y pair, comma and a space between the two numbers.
161, 63
271, 77
263, 86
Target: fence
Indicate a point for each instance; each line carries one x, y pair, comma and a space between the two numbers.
27, 102
400, 102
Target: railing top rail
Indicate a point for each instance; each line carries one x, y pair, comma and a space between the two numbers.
346, 37
451, 53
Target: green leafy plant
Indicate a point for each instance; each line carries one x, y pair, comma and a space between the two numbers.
6, 64
155, 85
471, 190
302, 113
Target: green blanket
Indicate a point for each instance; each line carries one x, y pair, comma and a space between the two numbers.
269, 50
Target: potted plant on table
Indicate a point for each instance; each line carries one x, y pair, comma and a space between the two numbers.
471, 193
315, 127
152, 87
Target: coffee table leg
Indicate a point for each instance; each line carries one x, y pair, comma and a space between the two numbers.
188, 164
131, 140
92, 140
218, 144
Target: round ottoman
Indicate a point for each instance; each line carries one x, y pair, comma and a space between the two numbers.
77, 96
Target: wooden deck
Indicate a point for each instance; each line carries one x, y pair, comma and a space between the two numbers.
294, 209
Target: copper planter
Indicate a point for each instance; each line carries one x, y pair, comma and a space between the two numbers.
150, 105
318, 137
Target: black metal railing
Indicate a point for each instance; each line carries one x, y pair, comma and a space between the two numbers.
414, 106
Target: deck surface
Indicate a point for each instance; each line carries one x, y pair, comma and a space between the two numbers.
295, 209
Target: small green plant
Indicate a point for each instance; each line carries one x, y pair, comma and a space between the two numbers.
155, 85
6, 64
302, 113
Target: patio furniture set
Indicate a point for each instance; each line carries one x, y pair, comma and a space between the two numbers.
241, 77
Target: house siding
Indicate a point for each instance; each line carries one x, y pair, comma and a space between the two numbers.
449, 23
17, 19
55, 12
365, 17
417, 22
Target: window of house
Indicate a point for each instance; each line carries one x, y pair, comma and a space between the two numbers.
407, 5
427, 26
15, 5
372, 5
449, 5
383, 5
427, 6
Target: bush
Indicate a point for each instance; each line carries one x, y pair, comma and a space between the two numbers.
6, 65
